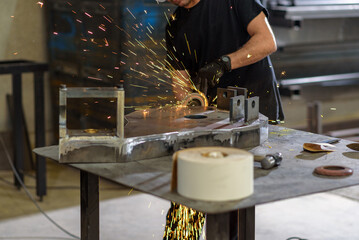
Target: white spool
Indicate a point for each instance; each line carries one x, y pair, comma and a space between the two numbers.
214, 173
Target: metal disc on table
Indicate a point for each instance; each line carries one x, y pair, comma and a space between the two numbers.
333, 171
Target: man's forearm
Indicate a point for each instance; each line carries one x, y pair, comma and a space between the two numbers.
253, 51
261, 44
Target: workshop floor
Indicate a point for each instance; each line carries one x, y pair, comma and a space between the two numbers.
127, 214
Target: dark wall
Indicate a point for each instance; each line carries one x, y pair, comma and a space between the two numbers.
107, 43
111, 42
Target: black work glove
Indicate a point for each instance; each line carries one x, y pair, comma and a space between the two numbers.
208, 76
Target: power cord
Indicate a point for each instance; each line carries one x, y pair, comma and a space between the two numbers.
29, 194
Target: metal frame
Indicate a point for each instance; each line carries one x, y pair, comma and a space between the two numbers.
95, 92
16, 68
345, 79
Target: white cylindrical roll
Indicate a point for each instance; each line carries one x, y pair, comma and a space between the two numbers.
214, 173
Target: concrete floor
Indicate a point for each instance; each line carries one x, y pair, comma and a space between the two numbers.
127, 214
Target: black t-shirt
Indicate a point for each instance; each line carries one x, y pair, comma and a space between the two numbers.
213, 28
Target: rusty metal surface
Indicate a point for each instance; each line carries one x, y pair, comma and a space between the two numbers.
224, 95
155, 133
294, 177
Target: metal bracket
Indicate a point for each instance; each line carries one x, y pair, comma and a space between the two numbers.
251, 109
240, 91
235, 100
236, 110
223, 97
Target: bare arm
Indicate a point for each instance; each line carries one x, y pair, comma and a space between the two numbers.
261, 44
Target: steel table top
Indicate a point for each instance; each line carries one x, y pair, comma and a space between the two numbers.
293, 178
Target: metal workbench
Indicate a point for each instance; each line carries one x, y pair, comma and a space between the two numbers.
293, 178
16, 68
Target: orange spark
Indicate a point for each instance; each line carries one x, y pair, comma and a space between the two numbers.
131, 13
107, 19
88, 15
102, 27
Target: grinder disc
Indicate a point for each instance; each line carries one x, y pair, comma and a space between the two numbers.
195, 100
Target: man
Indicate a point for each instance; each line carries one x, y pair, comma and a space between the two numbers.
220, 43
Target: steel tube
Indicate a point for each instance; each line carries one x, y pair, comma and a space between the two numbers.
89, 206
40, 133
18, 128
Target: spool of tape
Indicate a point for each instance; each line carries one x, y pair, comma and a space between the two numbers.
213, 173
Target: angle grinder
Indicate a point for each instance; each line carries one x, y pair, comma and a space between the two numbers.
195, 100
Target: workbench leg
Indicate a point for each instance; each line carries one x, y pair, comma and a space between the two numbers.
89, 206
217, 226
40, 133
314, 118
235, 225
246, 221
18, 128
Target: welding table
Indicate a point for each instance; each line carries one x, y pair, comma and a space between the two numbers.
293, 178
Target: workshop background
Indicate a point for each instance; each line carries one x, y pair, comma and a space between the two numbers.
98, 43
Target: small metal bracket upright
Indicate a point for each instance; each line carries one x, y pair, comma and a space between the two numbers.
239, 90
236, 110
251, 109
223, 97
235, 100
